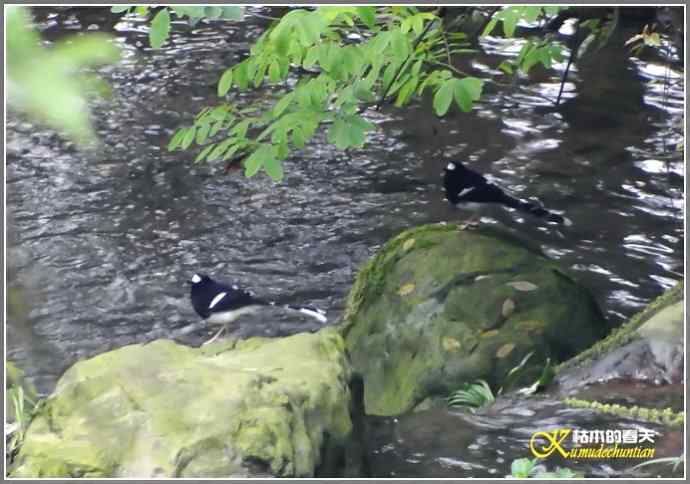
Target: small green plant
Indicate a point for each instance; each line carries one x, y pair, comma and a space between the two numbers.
473, 395
479, 394
526, 468
22, 416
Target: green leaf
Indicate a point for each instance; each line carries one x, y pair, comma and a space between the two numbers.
120, 8
362, 91
93, 49
225, 82
283, 104
260, 157
339, 135
466, 91
200, 157
309, 30
443, 98
522, 468
274, 72
241, 75
406, 91
188, 137
418, 24
240, 129
192, 12
298, 137
367, 15
490, 26
176, 139
220, 149
274, 168
160, 29
202, 133
406, 25
281, 41
279, 134
283, 150
399, 46
510, 19
233, 149
360, 123
312, 57
215, 128
506, 67
213, 12
260, 74
232, 12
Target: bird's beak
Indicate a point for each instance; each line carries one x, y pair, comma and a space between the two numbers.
189, 282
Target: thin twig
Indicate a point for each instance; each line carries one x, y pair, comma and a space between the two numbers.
571, 58
445, 44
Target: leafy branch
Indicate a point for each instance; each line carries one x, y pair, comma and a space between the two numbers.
344, 58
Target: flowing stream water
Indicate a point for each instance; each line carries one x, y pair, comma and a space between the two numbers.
101, 242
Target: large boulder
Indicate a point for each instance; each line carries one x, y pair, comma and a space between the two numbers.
648, 348
439, 306
272, 407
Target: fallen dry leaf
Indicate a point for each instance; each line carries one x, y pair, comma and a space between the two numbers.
450, 344
523, 286
508, 308
505, 350
405, 289
490, 333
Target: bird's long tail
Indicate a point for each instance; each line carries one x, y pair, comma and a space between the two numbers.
312, 311
534, 209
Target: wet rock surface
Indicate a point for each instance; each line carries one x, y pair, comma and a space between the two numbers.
648, 349
248, 408
439, 306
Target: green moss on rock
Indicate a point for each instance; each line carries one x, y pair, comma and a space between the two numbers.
661, 416
627, 332
438, 306
261, 406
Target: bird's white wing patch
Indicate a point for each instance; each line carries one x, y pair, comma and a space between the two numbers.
318, 314
465, 191
217, 299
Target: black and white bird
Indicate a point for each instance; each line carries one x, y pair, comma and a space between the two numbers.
467, 188
222, 304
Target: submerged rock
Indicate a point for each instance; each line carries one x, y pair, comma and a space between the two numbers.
272, 407
439, 306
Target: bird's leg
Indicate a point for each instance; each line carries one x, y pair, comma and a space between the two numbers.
471, 223
216, 336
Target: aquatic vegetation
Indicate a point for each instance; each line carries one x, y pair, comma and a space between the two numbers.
526, 468
24, 409
473, 395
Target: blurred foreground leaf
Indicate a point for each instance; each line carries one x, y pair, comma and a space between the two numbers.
46, 83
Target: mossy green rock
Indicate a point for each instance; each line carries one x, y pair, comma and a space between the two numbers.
649, 347
254, 407
439, 306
